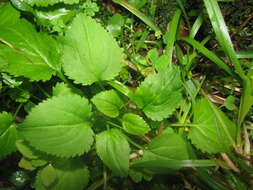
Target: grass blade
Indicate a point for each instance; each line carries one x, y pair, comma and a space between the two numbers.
170, 164
196, 26
172, 31
222, 34
209, 54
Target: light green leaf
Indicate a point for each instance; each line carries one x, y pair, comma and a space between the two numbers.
169, 146
212, 130
8, 15
113, 149
48, 175
22, 6
45, 3
229, 103
160, 94
69, 174
134, 124
61, 89
26, 164
25, 149
8, 134
162, 63
89, 49
108, 102
27, 52
60, 126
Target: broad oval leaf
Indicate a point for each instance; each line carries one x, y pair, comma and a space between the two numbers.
68, 174
134, 124
27, 52
159, 94
113, 149
8, 134
60, 126
48, 175
90, 54
169, 146
108, 102
212, 132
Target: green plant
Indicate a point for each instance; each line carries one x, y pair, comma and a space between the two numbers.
88, 119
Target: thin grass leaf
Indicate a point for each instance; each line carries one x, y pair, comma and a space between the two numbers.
172, 31
196, 26
222, 34
209, 54
244, 54
210, 181
170, 164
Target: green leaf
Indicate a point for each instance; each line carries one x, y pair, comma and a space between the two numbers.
108, 102
169, 146
60, 126
113, 149
27, 52
22, 6
45, 3
8, 134
114, 25
48, 175
8, 15
26, 164
134, 124
212, 130
222, 34
209, 54
61, 89
25, 149
89, 49
172, 31
229, 103
69, 174
160, 94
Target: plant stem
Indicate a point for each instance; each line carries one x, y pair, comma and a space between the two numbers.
105, 178
43, 91
134, 143
17, 110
